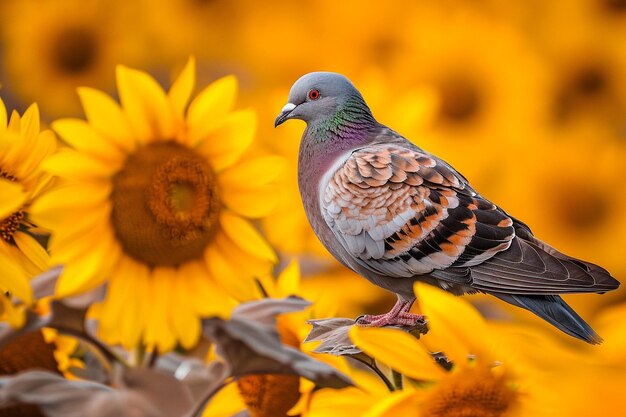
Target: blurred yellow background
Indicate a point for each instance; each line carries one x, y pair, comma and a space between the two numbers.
526, 98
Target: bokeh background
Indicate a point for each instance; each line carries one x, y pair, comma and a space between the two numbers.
526, 98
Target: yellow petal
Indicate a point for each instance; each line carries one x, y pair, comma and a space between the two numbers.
13, 278
112, 314
226, 143
289, 279
33, 250
398, 403
70, 164
15, 125
226, 403
207, 298
106, 117
253, 173
12, 314
399, 350
227, 276
122, 313
182, 88
185, 323
43, 146
158, 332
254, 267
12, 197
210, 107
66, 206
3, 117
29, 124
246, 236
254, 202
8, 141
456, 327
131, 325
81, 136
68, 245
88, 271
347, 402
145, 105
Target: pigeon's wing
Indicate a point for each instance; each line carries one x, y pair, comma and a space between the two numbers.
531, 267
401, 212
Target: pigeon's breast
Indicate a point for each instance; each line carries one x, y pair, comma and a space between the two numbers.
315, 169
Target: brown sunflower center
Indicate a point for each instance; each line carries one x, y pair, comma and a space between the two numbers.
615, 6
26, 352
10, 224
470, 393
460, 100
74, 50
582, 208
6, 175
165, 205
586, 85
272, 395
385, 48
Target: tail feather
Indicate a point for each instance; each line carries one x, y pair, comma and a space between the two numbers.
555, 311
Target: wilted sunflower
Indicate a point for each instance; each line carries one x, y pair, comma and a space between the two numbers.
156, 204
22, 149
272, 395
53, 46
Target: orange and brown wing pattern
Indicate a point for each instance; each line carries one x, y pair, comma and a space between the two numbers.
402, 212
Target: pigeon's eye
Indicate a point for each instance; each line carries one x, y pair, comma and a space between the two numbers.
314, 94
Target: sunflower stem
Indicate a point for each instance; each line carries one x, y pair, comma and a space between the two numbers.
397, 379
103, 349
372, 365
200, 405
152, 358
262, 289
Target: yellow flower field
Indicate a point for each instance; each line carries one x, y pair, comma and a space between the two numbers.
152, 227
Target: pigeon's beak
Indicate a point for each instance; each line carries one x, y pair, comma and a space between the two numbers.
284, 114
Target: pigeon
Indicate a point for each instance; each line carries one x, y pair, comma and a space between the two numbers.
396, 214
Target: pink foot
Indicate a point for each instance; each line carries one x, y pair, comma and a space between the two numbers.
398, 316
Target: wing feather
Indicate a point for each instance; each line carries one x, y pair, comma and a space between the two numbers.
402, 212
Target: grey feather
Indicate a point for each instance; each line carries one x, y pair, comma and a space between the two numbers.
555, 311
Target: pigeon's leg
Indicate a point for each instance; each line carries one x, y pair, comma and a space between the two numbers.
398, 316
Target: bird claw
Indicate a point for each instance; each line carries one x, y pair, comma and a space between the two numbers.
402, 319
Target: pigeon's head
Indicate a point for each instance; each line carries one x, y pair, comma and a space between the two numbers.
317, 95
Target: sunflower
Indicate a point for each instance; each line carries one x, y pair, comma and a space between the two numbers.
587, 84
26, 352
270, 395
274, 395
51, 47
480, 375
23, 147
156, 204
588, 378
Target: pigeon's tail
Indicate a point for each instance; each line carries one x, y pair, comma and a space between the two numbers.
555, 311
